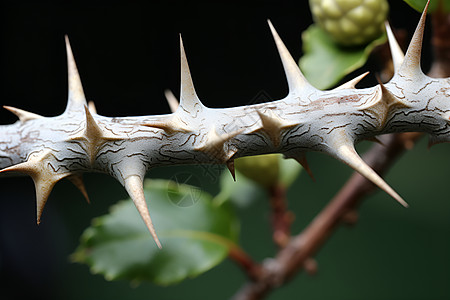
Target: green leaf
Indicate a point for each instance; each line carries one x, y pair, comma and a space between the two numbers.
241, 192
194, 238
289, 171
419, 5
245, 191
324, 63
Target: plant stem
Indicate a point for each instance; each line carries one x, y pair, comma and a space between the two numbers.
298, 251
282, 218
441, 44
253, 270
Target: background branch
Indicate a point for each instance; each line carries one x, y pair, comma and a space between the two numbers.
302, 247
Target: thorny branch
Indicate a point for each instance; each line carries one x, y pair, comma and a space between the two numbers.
298, 252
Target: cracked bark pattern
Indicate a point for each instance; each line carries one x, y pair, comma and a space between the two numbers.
307, 119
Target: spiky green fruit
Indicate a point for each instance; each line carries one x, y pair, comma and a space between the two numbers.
350, 22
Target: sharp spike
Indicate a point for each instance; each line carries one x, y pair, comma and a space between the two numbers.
273, 126
295, 78
214, 145
351, 84
230, 166
76, 95
134, 187
170, 125
188, 97
22, 114
411, 64
77, 180
24, 167
347, 154
43, 190
396, 51
92, 107
172, 100
301, 159
92, 129
44, 178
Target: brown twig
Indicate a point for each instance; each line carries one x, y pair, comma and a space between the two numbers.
253, 270
297, 253
440, 43
282, 218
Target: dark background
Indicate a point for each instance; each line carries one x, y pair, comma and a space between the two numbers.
127, 53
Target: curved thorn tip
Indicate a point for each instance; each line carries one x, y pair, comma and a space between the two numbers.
134, 187
295, 78
172, 100
347, 154
411, 64
396, 52
76, 97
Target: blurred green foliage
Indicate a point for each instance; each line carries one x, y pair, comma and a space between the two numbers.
434, 5
325, 63
119, 246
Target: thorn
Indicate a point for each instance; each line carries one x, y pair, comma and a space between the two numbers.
301, 159
351, 84
77, 180
93, 137
230, 166
92, 107
272, 126
411, 64
396, 51
170, 125
295, 78
92, 128
134, 187
382, 105
189, 100
172, 100
76, 94
214, 144
44, 178
23, 115
347, 154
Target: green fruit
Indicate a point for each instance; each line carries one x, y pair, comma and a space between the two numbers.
350, 22
263, 169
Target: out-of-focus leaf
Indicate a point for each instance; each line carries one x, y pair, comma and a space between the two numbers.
194, 238
241, 193
324, 63
419, 5
245, 191
289, 171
